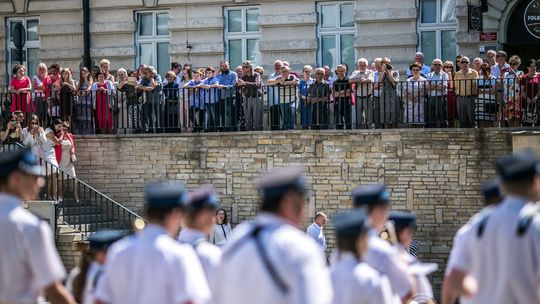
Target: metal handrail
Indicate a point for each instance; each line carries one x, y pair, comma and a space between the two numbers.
110, 210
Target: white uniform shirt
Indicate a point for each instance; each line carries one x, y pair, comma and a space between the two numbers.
221, 234
358, 283
506, 267
316, 233
29, 261
296, 258
152, 267
385, 259
209, 255
422, 284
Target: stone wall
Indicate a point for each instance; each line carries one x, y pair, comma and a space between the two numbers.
435, 173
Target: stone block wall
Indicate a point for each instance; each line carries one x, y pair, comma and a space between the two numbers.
435, 173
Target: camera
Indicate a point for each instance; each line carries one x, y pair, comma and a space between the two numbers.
388, 66
14, 123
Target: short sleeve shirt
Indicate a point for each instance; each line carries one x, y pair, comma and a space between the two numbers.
29, 261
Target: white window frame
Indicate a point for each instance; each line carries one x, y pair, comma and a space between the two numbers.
154, 39
32, 44
438, 27
337, 32
244, 35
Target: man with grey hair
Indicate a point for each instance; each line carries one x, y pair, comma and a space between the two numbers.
477, 63
273, 95
491, 57
315, 230
436, 107
251, 85
466, 88
362, 78
419, 57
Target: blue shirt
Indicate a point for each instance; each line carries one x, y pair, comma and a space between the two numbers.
229, 81
196, 97
303, 87
210, 95
316, 232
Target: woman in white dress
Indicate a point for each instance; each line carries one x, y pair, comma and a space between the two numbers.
67, 159
222, 229
53, 134
415, 93
34, 136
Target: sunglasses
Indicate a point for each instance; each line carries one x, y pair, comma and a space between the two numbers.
464, 62
320, 73
437, 64
447, 67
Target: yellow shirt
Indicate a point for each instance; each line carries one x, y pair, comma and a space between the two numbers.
466, 84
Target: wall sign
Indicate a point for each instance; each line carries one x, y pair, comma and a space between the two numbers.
531, 18
488, 36
474, 14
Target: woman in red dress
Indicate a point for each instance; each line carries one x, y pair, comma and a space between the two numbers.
20, 87
103, 96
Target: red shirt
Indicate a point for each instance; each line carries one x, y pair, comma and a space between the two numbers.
531, 85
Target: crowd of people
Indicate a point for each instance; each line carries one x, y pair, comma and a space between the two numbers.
481, 93
53, 144
186, 253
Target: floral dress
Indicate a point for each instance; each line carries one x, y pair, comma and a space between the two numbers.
512, 97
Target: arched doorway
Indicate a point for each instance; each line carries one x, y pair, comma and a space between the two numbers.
523, 31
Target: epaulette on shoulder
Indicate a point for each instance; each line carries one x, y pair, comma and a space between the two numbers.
526, 219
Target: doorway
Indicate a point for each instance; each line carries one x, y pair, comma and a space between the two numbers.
519, 40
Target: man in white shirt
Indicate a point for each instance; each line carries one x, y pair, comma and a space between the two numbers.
492, 196
356, 281
151, 266
29, 262
380, 254
269, 260
501, 67
503, 254
362, 78
438, 86
199, 225
315, 230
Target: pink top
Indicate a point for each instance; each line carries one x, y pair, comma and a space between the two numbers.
21, 101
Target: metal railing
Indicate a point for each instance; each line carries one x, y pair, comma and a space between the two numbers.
310, 105
81, 206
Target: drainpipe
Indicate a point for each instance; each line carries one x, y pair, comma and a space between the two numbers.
86, 34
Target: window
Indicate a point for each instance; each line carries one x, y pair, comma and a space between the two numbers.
29, 54
152, 40
437, 29
242, 34
336, 34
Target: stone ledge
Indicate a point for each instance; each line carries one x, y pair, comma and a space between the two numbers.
290, 19
112, 52
288, 45
177, 24
384, 15
112, 27
60, 29
390, 40
198, 48
55, 6
60, 54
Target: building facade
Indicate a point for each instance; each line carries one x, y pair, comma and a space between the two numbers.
202, 32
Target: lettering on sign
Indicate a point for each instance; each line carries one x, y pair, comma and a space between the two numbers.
531, 18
